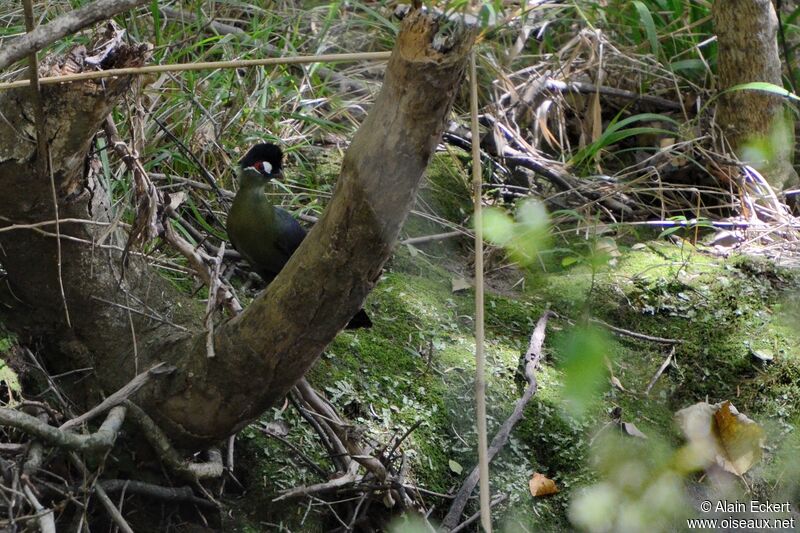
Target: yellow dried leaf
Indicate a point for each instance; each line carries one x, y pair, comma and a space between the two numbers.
740, 438
596, 117
722, 435
541, 485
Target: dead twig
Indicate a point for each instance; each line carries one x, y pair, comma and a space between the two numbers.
321, 472
142, 313
102, 439
36, 96
14, 227
466, 523
111, 509
660, 370
120, 396
348, 438
206, 65
212, 303
167, 453
431, 238
482, 469
633, 334
44, 164
199, 260
170, 494
408, 433
590, 88
531, 359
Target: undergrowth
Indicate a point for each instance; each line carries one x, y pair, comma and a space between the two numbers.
414, 369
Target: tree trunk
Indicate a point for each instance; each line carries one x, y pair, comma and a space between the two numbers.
748, 52
263, 352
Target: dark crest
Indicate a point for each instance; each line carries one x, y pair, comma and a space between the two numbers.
263, 153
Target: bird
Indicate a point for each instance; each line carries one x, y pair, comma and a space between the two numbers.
265, 235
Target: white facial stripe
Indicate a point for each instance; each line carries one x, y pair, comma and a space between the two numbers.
267, 167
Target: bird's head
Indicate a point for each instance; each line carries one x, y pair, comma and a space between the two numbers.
266, 158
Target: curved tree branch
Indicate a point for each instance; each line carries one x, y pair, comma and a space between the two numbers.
64, 25
100, 440
264, 351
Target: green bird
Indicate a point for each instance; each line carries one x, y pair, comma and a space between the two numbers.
266, 235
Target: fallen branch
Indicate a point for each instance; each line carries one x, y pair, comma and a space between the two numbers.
35, 455
64, 25
335, 448
431, 238
167, 453
633, 334
47, 521
589, 88
170, 494
348, 438
466, 523
111, 509
118, 397
532, 358
660, 371
103, 439
307, 490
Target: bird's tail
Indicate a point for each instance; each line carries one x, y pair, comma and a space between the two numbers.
359, 320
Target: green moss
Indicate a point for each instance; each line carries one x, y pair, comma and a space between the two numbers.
417, 363
266, 467
8, 377
445, 192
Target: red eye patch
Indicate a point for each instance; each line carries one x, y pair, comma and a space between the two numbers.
262, 166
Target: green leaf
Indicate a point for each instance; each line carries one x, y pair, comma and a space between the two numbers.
669, 231
649, 27
455, 467
498, 227
616, 132
766, 87
487, 16
584, 368
156, 14
567, 261
687, 64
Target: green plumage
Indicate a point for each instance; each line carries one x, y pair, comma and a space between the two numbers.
265, 235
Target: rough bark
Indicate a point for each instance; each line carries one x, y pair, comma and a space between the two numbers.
100, 334
64, 25
261, 353
748, 52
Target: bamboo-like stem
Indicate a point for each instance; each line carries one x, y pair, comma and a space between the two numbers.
42, 148
208, 65
36, 97
480, 356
